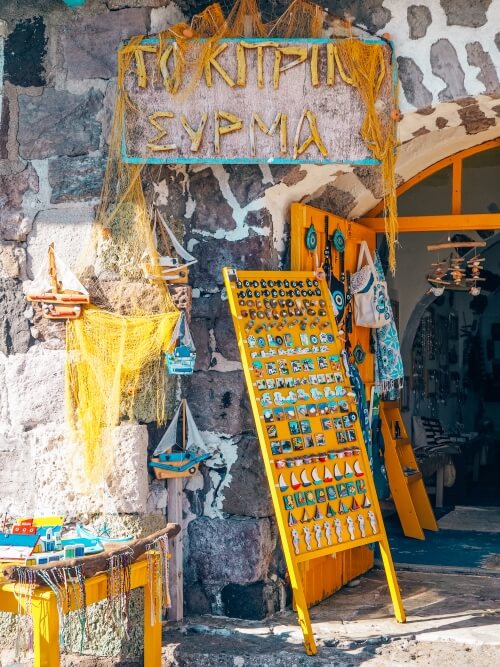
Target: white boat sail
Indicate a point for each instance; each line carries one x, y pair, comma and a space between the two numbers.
166, 267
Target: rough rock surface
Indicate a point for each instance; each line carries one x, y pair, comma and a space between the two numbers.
58, 123
86, 41
75, 178
419, 19
411, 77
247, 493
242, 547
14, 225
246, 182
12, 261
25, 49
445, 65
370, 13
35, 387
212, 211
466, 13
488, 75
226, 397
332, 199
14, 327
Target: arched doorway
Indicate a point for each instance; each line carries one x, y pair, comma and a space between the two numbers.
449, 343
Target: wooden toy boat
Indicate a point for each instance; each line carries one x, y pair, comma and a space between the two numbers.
58, 289
168, 267
184, 462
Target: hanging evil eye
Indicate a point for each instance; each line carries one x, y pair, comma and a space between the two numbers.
310, 292
261, 341
239, 284
282, 292
359, 354
265, 292
249, 293
274, 293
290, 292
338, 241
300, 283
246, 283
330, 338
257, 294
309, 282
322, 312
286, 283
279, 340
294, 283
352, 417
290, 303
255, 283
314, 340
317, 291
315, 283
338, 299
278, 283
303, 292
263, 283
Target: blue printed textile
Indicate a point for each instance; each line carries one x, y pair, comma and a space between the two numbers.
389, 371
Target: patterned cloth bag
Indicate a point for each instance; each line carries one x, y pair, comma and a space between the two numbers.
371, 301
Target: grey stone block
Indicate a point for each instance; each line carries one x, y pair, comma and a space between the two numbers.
411, 77
419, 19
219, 401
230, 550
76, 178
14, 226
90, 42
14, 327
445, 65
58, 123
212, 211
469, 13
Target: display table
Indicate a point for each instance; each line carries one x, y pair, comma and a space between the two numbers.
46, 621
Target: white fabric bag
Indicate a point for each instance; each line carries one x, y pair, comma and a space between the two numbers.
370, 293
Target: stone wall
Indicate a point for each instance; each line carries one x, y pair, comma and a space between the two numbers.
58, 91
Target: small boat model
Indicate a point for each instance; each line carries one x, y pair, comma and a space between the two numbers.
58, 290
181, 360
167, 268
185, 461
83, 532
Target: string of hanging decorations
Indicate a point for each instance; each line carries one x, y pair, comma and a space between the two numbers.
456, 272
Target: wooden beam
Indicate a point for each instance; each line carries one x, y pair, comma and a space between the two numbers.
456, 193
437, 223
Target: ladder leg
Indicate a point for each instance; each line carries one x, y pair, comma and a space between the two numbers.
392, 581
302, 610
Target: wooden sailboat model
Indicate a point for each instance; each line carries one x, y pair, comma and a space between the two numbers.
58, 289
185, 461
167, 267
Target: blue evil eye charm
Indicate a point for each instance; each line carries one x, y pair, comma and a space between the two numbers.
311, 238
338, 241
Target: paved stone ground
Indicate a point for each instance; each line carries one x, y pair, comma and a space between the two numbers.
451, 620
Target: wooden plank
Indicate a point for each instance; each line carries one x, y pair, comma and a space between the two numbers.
437, 223
176, 569
299, 120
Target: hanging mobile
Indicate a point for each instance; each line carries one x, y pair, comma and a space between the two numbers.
337, 286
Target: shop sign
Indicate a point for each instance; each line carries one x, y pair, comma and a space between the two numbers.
254, 101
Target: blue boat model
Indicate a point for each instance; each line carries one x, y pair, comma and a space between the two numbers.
184, 463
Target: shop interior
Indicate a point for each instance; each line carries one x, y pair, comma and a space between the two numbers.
446, 298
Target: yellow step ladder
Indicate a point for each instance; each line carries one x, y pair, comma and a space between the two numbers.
405, 479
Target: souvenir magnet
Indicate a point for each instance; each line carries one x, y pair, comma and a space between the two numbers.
361, 523
350, 527
307, 538
328, 532
338, 529
317, 534
296, 541
373, 522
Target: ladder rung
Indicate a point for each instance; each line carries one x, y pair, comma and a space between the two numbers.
414, 477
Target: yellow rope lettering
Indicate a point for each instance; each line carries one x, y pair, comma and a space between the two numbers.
211, 61
154, 145
314, 65
281, 120
235, 124
314, 137
195, 135
299, 51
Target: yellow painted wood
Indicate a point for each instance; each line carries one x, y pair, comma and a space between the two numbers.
327, 575
243, 329
436, 223
408, 492
432, 169
44, 612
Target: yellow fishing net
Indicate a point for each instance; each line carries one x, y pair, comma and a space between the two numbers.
111, 360
115, 351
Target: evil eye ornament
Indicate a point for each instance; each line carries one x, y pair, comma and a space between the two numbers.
359, 354
338, 241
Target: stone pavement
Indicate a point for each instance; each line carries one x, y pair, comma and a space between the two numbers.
450, 618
